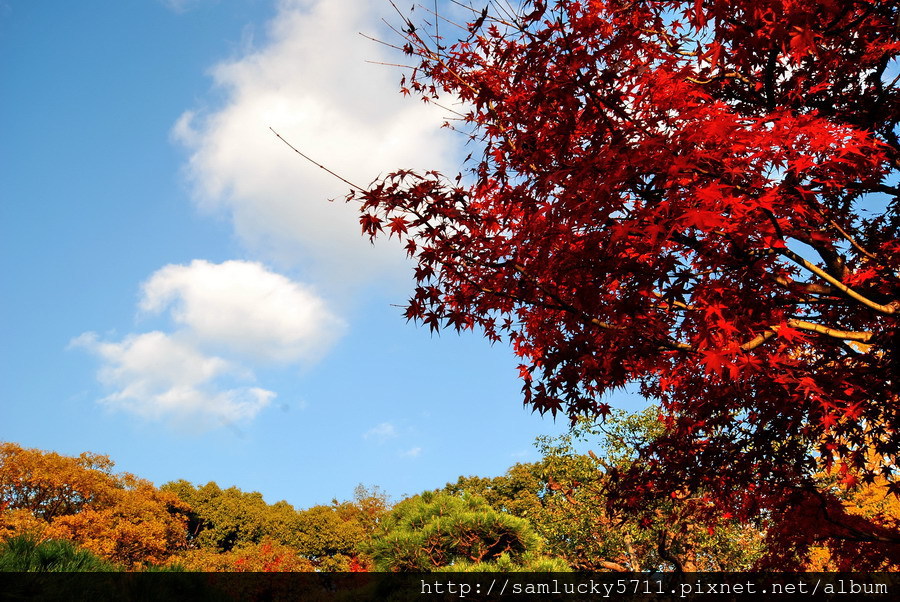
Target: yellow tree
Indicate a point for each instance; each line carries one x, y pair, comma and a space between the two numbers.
832, 528
115, 515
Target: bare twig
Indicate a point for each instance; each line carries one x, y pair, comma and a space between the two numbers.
317, 164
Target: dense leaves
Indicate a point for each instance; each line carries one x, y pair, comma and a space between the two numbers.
827, 529
119, 517
24, 553
233, 530
45, 496
220, 519
334, 537
697, 196
436, 531
551, 515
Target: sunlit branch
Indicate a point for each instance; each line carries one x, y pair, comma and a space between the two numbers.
885, 309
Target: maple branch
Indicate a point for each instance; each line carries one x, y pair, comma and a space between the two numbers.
425, 52
836, 263
676, 48
758, 340
810, 288
564, 305
317, 164
854, 534
568, 307
852, 240
382, 42
663, 550
384, 64
729, 75
889, 309
846, 335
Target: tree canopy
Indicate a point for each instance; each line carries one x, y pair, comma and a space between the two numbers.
117, 516
220, 519
700, 197
442, 531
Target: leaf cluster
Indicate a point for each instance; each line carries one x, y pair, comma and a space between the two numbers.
115, 515
699, 198
439, 529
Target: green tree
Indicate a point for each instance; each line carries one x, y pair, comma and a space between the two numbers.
230, 529
564, 497
438, 530
333, 537
221, 519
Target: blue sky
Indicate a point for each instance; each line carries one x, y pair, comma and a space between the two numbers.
177, 291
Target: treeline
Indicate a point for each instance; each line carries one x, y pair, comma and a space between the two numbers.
76, 513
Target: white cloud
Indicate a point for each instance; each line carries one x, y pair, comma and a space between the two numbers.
413, 452
311, 82
381, 432
244, 307
156, 375
229, 316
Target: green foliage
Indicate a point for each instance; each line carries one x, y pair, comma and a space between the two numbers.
558, 496
439, 529
175, 567
328, 537
25, 553
221, 519
332, 537
228, 527
684, 531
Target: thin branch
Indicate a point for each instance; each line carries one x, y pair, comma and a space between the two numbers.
376, 40
757, 341
852, 241
729, 75
390, 64
317, 164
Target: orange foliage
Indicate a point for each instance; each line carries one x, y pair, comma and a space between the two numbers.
871, 503
267, 556
830, 529
118, 516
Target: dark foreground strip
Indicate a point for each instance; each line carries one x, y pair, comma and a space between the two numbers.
749, 587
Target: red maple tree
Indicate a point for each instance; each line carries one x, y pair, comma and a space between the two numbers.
697, 196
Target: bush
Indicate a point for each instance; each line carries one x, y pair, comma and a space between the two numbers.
25, 553
436, 530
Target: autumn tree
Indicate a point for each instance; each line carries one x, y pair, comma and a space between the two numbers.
835, 529
265, 556
115, 515
699, 197
334, 537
